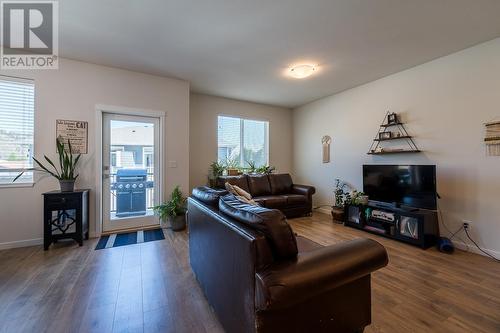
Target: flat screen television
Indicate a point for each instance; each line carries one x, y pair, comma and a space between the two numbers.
401, 185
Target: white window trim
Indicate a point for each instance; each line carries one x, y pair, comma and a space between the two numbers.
242, 119
34, 179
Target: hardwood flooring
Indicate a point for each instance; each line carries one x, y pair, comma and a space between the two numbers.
149, 287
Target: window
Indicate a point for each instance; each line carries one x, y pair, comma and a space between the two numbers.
242, 141
17, 106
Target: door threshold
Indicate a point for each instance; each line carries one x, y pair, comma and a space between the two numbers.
125, 230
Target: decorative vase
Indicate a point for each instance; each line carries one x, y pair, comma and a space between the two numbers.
177, 223
67, 185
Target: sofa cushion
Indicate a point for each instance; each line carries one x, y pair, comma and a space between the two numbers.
272, 223
295, 199
208, 195
259, 185
240, 181
280, 183
272, 201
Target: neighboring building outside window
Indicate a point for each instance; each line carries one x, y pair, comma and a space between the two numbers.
17, 110
243, 140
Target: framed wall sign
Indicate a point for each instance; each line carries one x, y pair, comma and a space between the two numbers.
75, 131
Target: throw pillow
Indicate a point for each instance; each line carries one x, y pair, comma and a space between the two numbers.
242, 192
246, 200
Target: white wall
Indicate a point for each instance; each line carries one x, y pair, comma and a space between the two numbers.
72, 92
444, 103
204, 110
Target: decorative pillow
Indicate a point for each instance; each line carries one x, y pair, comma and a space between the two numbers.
230, 188
245, 200
242, 192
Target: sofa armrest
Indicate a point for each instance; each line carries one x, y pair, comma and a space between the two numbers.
306, 190
284, 284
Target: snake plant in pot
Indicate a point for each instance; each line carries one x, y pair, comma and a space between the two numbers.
67, 166
174, 210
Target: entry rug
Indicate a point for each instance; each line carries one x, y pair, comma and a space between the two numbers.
141, 236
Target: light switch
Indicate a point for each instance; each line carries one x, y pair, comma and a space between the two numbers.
172, 164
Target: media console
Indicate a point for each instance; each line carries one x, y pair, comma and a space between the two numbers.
417, 227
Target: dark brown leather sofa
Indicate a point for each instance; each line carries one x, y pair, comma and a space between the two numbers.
259, 277
275, 191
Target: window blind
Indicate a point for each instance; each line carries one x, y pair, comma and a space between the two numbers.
17, 107
242, 140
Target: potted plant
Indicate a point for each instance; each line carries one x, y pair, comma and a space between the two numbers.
252, 167
265, 170
216, 170
340, 198
67, 165
232, 167
174, 210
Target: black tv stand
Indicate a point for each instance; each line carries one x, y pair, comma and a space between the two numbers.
410, 225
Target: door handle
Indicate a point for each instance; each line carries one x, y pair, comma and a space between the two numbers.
105, 174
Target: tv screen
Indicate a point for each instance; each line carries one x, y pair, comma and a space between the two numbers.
406, 185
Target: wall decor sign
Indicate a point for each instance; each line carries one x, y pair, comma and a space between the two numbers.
492, 138
75, 131
326, 140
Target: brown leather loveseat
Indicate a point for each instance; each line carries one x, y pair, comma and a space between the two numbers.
259, 277
275, 191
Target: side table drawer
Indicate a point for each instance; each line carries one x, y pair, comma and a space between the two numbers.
63, 202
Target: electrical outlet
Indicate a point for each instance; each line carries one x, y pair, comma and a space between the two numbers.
467, 224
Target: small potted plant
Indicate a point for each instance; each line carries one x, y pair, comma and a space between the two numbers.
216, 170
67, 165
340, 200
232, 167
265, 170
173, 211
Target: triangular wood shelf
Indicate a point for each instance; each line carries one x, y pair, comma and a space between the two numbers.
383, 134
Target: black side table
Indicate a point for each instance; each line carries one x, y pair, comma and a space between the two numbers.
65, 215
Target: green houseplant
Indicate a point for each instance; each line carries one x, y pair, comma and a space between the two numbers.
216, 170
174, 210
232, 167
67, 166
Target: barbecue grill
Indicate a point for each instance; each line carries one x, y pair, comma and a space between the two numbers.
130, 188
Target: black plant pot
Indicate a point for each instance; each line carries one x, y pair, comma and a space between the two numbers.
67, 185
177, 223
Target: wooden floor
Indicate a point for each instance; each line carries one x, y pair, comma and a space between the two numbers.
149, 287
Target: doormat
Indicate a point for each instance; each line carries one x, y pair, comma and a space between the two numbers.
141, 236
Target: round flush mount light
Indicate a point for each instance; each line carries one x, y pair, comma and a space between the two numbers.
302, 71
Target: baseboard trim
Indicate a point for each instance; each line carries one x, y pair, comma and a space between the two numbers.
21, 243
323, 210
469, 247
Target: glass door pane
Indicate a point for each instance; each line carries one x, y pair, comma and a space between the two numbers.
130, 162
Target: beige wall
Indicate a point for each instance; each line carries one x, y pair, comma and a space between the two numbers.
445, 103
204, 110
72, 92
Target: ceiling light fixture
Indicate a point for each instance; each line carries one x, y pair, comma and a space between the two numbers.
302, 71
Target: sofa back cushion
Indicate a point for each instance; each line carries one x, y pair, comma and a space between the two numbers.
280, 183
208, 196
240, 181
259, 185
272, 223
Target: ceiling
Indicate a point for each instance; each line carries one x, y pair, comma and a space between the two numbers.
240, 48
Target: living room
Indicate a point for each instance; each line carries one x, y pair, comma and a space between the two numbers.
337, 160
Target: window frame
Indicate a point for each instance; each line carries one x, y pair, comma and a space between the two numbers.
34, 177
242, 134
